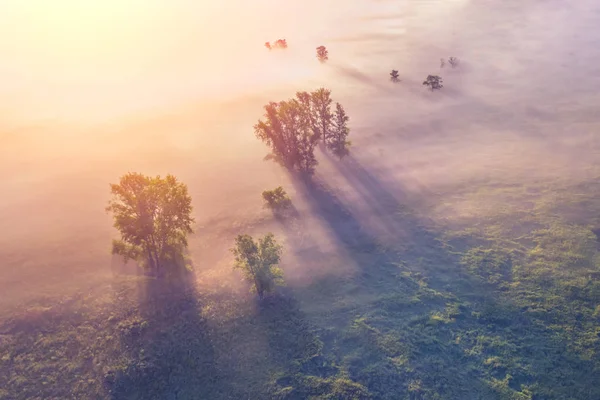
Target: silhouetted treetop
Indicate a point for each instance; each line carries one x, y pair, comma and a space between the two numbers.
434, 82
292, 129
322, 54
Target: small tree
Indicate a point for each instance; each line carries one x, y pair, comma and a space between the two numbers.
442, 63
277, 199
153, 216
268, 45
338, 142
281, 44
322, 54
394, 77
453, 61
259, 262
434, 82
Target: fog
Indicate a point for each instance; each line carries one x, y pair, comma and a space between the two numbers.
89, 93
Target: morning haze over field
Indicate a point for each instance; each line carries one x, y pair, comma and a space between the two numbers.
452, 253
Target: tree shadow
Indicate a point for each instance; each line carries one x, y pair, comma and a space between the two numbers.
417, 296
169, 351
360, 77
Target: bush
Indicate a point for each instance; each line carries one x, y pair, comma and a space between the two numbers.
277, 199
434, 82
259, 261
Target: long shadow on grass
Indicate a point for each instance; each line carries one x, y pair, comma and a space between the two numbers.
169, 351
428, 327
400, 300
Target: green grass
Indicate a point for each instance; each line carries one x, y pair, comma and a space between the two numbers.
503, 305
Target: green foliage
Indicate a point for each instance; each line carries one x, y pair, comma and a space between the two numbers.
491, 265
563, 251
300, 386
277, 199
337, 139
259, 261
504, 392
434, 82
153, 216
293, 128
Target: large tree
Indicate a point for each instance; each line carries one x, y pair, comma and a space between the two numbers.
259, 261
153, 216
294, 127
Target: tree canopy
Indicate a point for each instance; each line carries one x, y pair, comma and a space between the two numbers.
153, 217
322, 54
278, 44
277, 199
337, 139
259, 261
293, 128
434, 82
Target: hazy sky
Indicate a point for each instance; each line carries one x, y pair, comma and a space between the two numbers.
83, 58
65, 57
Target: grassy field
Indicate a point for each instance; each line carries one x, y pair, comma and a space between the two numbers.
502, 304
455, 254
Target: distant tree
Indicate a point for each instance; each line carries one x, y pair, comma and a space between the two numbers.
268, 45
293, 128
442, 63
453, 61
394, 77
322, 54
338, 142
434, 82
259, 261
281, 44
153, 216
277, 199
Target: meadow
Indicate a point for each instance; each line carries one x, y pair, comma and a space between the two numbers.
454, 254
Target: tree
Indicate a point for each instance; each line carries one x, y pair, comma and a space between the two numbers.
338, 142
321, 102
453, 61
153, 216
442, 63
277, 199
322, 54
281, 44
268, 45
434, 82
394, 77
294, 127
259, 261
